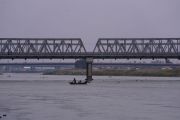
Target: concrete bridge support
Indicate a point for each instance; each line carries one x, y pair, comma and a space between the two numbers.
89, 62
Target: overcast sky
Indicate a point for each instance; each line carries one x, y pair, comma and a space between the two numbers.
89, 19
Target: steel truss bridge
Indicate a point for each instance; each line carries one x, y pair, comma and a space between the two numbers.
73, 48
58, 64
70, 48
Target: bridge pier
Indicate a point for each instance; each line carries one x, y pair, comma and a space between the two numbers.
89, 62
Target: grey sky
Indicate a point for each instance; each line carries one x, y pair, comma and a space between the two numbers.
89, 19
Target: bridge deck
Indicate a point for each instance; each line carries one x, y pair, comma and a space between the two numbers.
90, 55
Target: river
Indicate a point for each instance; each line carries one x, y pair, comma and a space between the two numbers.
28, 96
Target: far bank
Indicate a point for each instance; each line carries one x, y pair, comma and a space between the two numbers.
117, 72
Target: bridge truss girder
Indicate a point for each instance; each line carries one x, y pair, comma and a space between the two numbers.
42, 47
73, 48
139, 47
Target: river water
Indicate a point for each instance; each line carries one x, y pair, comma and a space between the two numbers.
27, 96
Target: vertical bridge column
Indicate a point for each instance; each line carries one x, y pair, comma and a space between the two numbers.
89, 62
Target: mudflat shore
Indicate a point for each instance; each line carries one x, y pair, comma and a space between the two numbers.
114, 72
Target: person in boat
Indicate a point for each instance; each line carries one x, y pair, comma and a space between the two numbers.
74, 81
79, 82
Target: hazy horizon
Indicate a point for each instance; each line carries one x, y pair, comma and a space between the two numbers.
89, 19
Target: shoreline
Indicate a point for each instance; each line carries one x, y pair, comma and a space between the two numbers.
112, 72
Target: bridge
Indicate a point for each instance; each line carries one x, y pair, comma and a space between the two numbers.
105, 48
56, 64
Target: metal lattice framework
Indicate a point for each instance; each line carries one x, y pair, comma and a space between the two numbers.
139, 47
11, 48
39, 47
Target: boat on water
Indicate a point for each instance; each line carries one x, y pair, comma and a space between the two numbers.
74, 82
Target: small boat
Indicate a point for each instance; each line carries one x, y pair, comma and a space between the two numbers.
78, 83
